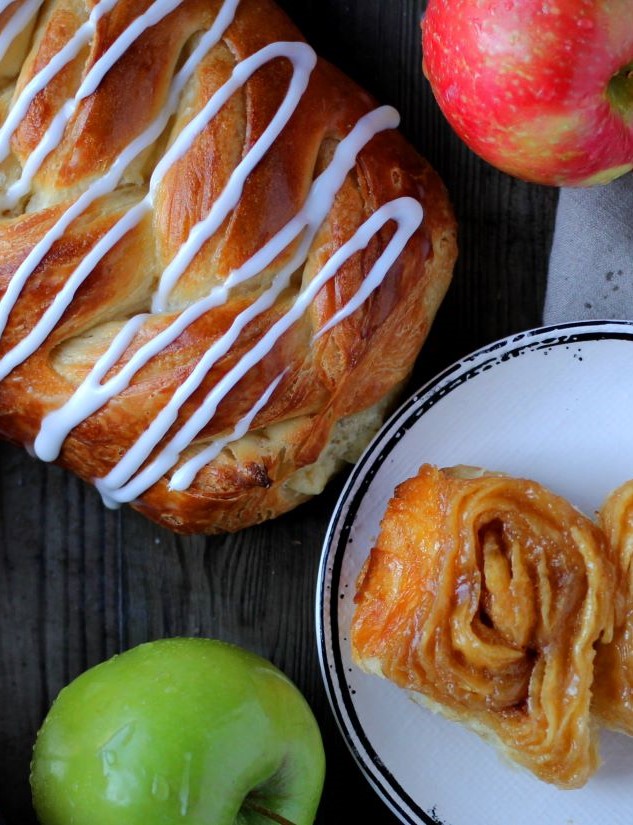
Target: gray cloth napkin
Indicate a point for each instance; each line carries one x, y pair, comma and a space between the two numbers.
591, 263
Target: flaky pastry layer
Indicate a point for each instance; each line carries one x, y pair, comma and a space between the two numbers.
613, 687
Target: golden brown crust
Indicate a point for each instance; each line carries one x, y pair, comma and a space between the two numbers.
349, 369
613, 687
486, 594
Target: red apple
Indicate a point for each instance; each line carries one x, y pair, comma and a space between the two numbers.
542, 89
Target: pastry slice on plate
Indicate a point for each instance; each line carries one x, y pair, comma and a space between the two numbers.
613, 688
485, 595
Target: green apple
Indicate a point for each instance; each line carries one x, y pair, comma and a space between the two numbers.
187, 731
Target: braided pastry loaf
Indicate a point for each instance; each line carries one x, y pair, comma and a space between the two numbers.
218, 260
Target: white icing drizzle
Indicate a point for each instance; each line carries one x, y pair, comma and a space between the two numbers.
183, 478
135, 472
121, 485
89, 396
118, 487
55, 132
303, 59
101, 186
408, 215
38, 82
17, 23
4, 4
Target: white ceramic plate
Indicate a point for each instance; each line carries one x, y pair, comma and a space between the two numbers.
555, 405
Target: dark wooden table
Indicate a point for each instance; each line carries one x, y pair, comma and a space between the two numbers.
79, 583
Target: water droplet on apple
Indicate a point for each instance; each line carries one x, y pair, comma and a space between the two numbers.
120, 737
185, 785
109, 757
160, 788
108, 752
108, 760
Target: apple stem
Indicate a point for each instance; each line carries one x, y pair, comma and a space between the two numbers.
620, 91
270, 814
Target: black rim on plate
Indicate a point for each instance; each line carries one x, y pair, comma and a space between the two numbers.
338, 533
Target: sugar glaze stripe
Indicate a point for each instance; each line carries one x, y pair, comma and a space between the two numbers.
132, 476
108, 182
55, 132
408, 215
18, 21
117, 486
91, 395
4, 4
38, 82
303, 59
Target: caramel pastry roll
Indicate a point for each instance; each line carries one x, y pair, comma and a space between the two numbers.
486, 595
613, 686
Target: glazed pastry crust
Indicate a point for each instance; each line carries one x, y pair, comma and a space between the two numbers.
613, 687
348, 371
486, 594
